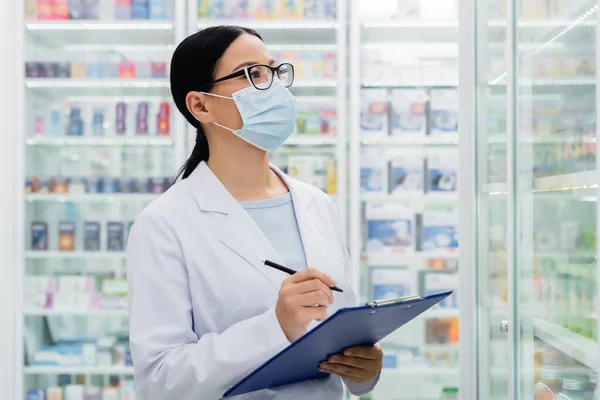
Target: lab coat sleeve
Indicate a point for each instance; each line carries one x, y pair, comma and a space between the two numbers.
357, 389
170, 360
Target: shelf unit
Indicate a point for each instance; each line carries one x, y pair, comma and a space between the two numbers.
39, 312
413, 38
91, 197
73, 41
77, 370
74, 255
106, 142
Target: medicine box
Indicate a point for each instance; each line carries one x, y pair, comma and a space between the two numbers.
390, 228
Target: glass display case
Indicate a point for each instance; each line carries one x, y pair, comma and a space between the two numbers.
534, 142
404, 177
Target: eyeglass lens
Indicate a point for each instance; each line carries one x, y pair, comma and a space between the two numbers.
262, 76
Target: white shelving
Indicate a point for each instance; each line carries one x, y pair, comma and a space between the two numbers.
402, 141
271, 25
580, 348
409, 84
415, 199
405, 259
42, 312
92, 197
77, 370
99, 83
575, 181
60, 255
558, 183
88, 25
311, 140
98, 141
315, 83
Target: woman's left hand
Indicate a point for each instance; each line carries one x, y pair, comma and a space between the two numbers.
356, 364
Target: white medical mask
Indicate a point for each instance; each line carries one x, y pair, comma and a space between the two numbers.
268, 116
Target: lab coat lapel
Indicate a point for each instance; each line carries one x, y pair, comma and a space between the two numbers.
240, 233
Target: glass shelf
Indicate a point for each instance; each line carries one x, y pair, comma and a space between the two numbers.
403, 141
57, 83
77, 370
580, 348
409, 84
73, 255
42, 312
272, 25
101, 142
89, 197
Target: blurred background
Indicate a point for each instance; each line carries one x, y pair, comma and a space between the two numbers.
378, 87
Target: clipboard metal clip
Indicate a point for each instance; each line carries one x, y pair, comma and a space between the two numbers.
378, 303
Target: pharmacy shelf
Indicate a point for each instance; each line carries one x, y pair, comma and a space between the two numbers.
41, 312
552, 82
89, 197
97, 141
558, 183
501, 138
311, 140
580, 348
408, 84
90, 25
99, 83
405, 259
575, 181
416, 198
271, 25
315, 83
408, 31
70, 255
77, 370
410, 141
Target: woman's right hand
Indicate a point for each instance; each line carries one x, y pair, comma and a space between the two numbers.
303, 297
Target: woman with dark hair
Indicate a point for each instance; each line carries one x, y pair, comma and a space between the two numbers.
205, 310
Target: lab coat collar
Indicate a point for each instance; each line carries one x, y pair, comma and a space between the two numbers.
240, 233
211, 195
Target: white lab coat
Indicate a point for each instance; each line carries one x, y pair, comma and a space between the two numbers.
201, 301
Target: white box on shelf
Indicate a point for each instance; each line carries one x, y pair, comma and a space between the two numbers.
373, 172
39, 285
73, 300
444, 112
409, 112
114, 287
374, 113
440, 230
406, 173
390, 228
389, 283
76, 284
311, 169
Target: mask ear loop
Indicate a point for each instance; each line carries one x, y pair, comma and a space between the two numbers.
217, 95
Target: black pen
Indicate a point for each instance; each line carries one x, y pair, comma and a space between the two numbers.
292, 272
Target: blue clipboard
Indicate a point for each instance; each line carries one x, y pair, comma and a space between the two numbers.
348, 327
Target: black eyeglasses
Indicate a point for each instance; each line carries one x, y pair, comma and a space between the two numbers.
261, 75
